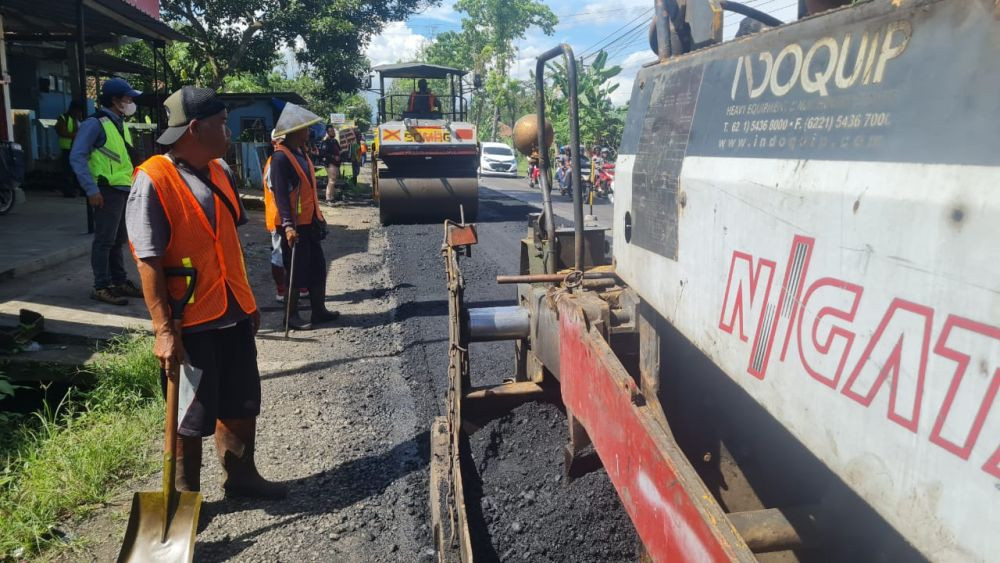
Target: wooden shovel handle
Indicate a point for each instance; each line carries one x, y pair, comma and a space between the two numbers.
170, 438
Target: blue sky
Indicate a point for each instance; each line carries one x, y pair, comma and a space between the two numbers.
586, 25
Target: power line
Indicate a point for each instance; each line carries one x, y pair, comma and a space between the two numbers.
770, 12
587, 51
630, 32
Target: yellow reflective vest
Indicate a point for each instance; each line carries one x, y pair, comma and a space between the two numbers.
112, 162
66, 143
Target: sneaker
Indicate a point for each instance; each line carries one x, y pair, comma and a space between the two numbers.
127, 289
106, 295
280, 295
303, 292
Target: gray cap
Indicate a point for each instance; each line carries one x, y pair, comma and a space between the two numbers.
186, 105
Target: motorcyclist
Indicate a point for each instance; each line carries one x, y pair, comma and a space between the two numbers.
533, 170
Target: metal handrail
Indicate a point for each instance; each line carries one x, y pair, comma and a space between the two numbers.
574, 136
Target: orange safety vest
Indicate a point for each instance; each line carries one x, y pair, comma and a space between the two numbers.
431, 100
216, 254
306, 205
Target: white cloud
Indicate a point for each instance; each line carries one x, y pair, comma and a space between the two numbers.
445, 12
397, 42
600, 14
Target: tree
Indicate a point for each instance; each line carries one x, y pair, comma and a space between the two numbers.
600, 122
489, 30
355, 107
245, 36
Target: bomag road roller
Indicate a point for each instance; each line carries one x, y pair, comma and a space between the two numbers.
792, 351
426, 153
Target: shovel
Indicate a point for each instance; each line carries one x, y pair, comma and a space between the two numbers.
163, 524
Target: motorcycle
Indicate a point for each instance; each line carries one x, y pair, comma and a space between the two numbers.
533, 173
605, 181
11, 174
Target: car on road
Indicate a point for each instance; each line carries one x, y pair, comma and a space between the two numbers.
497, 159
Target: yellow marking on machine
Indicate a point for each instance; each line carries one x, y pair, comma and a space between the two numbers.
427, 135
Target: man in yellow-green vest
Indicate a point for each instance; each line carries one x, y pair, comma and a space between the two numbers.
66, 127
102, 163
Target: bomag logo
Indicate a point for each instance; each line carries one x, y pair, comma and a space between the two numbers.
828, 64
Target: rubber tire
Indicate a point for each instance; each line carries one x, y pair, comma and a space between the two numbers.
5, 207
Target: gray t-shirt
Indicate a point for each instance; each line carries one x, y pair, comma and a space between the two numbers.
149, 229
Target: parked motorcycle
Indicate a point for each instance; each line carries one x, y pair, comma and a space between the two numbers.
12, 168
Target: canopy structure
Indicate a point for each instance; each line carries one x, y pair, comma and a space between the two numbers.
417, 70
58, 19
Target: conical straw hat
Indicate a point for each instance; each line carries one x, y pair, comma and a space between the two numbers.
294, 118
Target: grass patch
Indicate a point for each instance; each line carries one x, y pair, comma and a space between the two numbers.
63, 461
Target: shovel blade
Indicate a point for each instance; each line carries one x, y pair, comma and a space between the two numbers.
144, 537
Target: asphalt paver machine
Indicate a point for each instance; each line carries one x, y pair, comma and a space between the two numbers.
793, 350
425, 158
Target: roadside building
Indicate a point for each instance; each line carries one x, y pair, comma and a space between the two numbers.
43, 46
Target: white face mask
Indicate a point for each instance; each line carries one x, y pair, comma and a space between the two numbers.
127, 109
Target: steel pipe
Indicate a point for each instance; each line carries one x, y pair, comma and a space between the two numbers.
778, 529
488, 324
551, 278
574, 139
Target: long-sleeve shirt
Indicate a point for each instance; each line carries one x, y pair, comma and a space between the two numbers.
283, 180
89, 138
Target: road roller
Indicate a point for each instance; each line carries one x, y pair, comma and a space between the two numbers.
425, 153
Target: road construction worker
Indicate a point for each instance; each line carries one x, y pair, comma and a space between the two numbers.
291, 205
183, 212
356, 156
102, 161
422, 100
329, 154
66, 127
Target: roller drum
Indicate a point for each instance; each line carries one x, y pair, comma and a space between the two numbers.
427, 200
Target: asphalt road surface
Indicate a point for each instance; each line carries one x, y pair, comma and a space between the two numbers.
562, 206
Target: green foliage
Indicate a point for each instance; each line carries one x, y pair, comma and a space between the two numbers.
600, 122
245, 36
61, 462
355, 107
489, 30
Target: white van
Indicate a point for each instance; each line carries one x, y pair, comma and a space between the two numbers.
497, 159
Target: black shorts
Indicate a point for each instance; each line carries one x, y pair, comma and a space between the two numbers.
224, 382
310, 262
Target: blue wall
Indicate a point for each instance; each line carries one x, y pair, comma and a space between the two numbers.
259, 108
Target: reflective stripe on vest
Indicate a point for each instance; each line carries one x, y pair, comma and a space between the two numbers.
112, 161
216, 254
66, 143
305, 201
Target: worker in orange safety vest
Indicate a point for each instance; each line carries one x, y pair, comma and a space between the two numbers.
183, 212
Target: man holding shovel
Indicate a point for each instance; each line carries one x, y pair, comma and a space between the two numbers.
183, 212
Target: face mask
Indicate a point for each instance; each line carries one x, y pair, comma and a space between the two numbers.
128, 109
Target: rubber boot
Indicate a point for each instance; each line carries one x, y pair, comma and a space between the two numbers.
234, 442
295, 321
317, 302
188, 476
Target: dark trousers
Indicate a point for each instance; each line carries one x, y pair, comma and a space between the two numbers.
106, 256
310, 262
70, 186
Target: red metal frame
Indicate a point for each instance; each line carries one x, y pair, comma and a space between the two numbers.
674, 514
